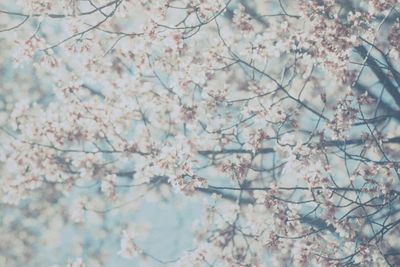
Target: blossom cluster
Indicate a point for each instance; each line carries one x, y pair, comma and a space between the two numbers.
199, 133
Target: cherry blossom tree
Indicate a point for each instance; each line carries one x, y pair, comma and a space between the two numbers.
199, 133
